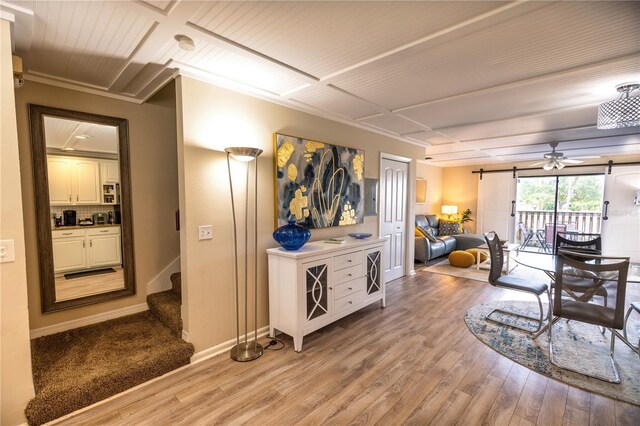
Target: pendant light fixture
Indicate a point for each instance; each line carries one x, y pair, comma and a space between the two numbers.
623, 112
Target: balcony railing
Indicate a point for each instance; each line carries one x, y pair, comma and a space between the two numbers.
582, 222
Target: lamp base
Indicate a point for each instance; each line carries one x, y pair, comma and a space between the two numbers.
246, 351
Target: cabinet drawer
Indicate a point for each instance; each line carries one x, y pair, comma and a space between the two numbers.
104, 231
347, 274
347, 260
70, 233
348, 302
350, 287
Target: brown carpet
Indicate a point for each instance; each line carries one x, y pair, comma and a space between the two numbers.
176, 283
79, 367
165, 306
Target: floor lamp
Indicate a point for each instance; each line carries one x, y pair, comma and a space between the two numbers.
245, 350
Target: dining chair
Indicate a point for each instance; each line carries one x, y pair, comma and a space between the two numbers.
527, 234
610, 272
577, 240
585, 244
636, 348
548, 234
496, 279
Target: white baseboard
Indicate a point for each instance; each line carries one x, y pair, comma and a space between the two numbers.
412, 272
222, 347
68, 325
162, 281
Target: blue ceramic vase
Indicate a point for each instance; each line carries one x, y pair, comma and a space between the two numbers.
292, 236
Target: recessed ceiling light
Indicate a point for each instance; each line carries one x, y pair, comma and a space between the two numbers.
185, 43
82, 136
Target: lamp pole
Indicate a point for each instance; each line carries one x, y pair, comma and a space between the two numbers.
245, 351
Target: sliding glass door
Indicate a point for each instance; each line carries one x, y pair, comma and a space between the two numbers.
551, 204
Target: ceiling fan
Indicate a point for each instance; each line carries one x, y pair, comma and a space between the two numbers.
557, 160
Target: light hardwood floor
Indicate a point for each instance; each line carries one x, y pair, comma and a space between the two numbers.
74, 288
413, 362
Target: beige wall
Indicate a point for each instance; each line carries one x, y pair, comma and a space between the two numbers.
460, 185
16, 385
152, 133
433, 176
212, 119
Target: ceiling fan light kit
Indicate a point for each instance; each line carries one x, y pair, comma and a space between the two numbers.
623, 112
557, 160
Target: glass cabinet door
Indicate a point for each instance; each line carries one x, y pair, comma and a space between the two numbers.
374, 272
316, 278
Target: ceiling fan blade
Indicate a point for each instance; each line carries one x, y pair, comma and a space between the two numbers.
586, 157
572, 161
538, 164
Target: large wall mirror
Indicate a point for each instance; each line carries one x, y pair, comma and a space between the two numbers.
83, 207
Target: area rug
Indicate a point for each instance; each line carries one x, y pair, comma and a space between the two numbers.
573, 342
79, 367
471, 273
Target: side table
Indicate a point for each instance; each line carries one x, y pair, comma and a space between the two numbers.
507, 249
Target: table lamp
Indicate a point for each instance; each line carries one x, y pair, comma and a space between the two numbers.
450, 210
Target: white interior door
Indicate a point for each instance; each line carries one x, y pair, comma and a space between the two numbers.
620, 217
393, 215
496, 204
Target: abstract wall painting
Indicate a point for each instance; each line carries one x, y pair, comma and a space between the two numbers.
318, 185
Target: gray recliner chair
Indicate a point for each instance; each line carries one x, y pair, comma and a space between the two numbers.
439, 245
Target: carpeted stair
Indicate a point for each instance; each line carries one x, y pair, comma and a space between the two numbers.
165, 305
79, 367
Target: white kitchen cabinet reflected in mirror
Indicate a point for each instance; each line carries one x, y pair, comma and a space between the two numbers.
81, 214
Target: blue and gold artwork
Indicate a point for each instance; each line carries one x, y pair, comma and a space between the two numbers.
318, 184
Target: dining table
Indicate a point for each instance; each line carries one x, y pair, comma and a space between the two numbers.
547, 263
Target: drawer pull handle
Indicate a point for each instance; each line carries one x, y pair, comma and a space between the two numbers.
349, 260
330, 288
348, 275
66, 233
106, 230
350, 302
350, 288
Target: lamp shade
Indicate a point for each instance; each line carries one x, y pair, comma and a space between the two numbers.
449, 210
243, 154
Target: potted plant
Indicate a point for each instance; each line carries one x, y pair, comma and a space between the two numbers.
465, 217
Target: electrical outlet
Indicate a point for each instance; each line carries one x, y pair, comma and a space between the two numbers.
205, 232
7, 252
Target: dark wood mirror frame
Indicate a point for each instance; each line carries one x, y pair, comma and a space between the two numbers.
43, 219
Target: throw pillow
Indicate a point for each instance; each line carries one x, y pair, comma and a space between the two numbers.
425, 233
418, 232
449, 227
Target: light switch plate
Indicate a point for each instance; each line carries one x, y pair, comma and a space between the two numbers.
7, 251
205, 232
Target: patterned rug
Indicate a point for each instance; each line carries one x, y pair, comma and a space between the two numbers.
571, 341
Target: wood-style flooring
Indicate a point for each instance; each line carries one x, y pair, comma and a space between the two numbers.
413, 362
67, 289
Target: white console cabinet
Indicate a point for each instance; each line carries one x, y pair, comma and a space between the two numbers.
321, 283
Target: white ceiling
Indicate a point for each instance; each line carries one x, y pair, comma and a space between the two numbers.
80, 136
473, 82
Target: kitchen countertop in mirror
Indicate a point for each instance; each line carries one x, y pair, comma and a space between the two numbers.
62, 228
